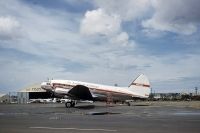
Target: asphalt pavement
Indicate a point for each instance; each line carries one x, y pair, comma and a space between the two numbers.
98, 118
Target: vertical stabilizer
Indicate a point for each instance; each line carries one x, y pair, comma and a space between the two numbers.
141, 86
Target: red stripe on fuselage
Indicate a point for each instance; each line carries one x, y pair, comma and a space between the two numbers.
102, 90
137, 84
109, 91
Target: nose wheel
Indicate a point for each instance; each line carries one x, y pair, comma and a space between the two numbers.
70, 104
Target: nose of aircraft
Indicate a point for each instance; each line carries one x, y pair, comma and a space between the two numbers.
46, 86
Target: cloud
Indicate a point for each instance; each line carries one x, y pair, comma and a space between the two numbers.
111, 15
9, 27
128, 10
19, 73
99, 22
122, 39
42, 28
53, 45
180, 16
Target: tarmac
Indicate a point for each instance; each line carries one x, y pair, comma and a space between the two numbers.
141, 117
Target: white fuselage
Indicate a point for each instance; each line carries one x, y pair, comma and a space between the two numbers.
99, 92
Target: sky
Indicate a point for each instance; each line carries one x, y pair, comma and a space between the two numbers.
100, 41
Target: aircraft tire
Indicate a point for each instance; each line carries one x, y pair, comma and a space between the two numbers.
68, 104
128, 103
73, 104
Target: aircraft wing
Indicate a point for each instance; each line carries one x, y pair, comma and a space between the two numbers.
80, 92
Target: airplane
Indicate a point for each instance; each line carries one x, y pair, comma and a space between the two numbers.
80, 91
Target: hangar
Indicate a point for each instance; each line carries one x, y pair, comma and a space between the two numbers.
32, 92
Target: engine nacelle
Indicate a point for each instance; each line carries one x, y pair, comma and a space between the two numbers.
61, 90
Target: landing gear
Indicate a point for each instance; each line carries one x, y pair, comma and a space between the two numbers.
70, 104
128, 103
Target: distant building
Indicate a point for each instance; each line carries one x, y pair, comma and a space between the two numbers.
174, 96
166, 96
4, 98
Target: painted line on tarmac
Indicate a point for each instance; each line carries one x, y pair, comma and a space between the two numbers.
80, 129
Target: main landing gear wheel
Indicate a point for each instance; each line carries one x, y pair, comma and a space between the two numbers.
70, 104
128, 103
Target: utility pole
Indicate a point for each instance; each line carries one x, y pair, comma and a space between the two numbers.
196, 89
151, 94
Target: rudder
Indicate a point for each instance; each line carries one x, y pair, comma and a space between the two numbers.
141, 86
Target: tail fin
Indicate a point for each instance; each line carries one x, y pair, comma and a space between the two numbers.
141, 86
